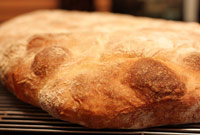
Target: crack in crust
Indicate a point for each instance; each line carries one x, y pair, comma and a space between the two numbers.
154, 81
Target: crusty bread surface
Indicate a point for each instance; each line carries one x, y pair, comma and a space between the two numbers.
103, 70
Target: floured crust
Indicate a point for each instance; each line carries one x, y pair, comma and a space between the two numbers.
103, 70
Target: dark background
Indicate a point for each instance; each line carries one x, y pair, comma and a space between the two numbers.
167, 9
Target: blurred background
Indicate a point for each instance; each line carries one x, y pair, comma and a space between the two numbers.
182, 10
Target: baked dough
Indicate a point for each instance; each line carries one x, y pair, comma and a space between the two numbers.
103, 70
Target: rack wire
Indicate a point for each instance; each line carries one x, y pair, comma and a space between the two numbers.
19, 117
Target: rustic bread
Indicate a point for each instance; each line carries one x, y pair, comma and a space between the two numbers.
103, 70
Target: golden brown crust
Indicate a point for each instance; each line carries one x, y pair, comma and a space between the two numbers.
25, 85
193, 61
155, 81
103, 70
48, 59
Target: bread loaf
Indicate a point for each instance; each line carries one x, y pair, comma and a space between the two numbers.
103, 70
